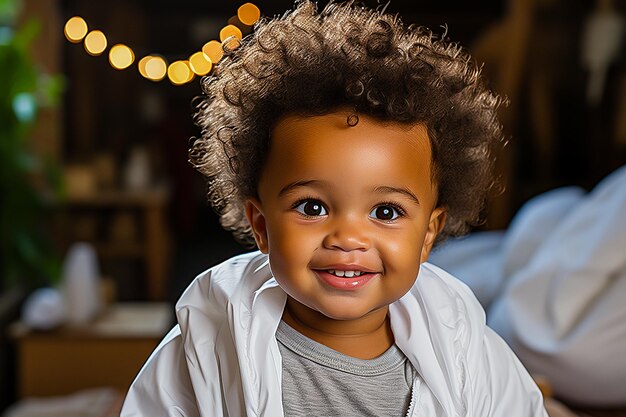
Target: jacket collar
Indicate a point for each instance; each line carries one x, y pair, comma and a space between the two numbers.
252, 304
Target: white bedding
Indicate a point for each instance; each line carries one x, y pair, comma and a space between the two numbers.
555, 285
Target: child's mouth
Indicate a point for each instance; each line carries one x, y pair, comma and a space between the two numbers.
345, 279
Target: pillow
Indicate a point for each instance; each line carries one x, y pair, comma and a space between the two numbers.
533, 223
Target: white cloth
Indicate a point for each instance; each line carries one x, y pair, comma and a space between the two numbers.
561, 266
222, 359
564, 312
486, 260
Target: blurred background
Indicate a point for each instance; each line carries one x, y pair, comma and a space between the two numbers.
96, 101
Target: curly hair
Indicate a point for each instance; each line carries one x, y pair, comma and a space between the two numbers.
310, 63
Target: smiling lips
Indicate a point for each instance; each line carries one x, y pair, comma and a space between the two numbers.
345, 279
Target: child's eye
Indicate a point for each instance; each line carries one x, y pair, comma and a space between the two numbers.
386, 212
311, 208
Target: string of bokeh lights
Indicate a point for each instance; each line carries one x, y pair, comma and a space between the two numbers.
155, 67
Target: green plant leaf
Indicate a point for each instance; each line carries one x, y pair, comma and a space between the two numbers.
9, 10
26, 253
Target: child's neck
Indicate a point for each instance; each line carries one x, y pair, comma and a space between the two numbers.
365, 338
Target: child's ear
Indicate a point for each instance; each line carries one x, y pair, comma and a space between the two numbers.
256, 219
435, 226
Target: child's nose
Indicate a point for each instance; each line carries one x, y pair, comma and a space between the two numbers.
347, 235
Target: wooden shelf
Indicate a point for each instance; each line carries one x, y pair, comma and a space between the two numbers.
148, 242
107, 352
121, 198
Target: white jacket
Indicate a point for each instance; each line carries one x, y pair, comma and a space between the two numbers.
222, 359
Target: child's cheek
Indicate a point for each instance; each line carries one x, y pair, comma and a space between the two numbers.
401, 251
291, 244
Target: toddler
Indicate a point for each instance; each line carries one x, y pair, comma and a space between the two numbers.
345, 145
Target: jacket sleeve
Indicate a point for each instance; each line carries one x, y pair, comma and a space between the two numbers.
163, 387
502, 385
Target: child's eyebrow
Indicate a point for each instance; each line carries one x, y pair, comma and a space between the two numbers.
385, 189
302, 183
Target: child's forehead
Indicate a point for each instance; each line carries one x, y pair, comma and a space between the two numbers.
332, 136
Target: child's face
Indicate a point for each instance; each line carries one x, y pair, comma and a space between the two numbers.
335, 198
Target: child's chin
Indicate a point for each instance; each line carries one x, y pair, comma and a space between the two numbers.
345, 312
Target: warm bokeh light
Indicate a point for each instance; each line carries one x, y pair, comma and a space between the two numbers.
75, 29
141, 65
192, 75
155, 67
230, 30
121, 56
213, 49
95, 42
200, 63
152, 67
248, 14
179, 72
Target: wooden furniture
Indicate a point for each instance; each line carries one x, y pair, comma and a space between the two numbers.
151, 245
106, 353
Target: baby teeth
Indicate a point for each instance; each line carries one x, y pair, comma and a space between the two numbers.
347, 274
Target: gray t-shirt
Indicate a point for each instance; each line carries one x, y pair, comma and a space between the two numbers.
319, 381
